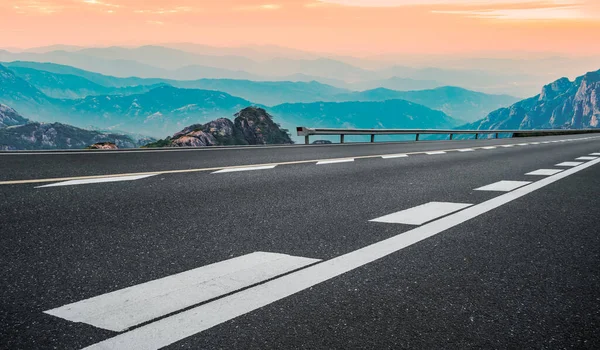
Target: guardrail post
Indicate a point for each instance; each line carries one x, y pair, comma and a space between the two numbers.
342, 138
451, 136
497, 135
372, 138
417, 139
306, 142
476, 136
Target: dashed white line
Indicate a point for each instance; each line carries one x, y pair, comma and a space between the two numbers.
522, 144
335, 161
435, 153
422, 213
570, 164
586, 158
249, 168
97, 180
466, 150
392, 156
507, 146
489, 147
503, 186
128, 307
185, 324
545, 172
595, 154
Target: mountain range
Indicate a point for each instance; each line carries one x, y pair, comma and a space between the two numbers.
51, 93
67, 82
186, 62
563, 104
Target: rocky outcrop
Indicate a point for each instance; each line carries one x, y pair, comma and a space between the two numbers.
58, 136
562, 104
251, 126
10, 117
103, 146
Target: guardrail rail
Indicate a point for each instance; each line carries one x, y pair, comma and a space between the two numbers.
307, 132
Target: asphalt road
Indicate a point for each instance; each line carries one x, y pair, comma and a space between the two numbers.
515, 268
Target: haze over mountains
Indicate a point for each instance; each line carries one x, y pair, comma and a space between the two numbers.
517, 77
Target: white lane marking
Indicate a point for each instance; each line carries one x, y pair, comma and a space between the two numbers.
503, 186
489, 147
128, 307
435, 153
249, 168
335, 161
586, 158
177, 327
392, 156
466, 150
522, 144
545, 172
534, 143
569, 164
507, 146
546, 142
98, 180
595, 154
422, 213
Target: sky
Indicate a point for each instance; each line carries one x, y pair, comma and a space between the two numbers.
361, 27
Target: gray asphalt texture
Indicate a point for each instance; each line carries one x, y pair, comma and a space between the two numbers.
525, 275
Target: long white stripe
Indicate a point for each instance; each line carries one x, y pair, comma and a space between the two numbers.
125, 308
466, 150
435, 153
97, 181
249, 168
422, 213
489, 147
175, 328
595, 154
335, 161
507, 146
586, 158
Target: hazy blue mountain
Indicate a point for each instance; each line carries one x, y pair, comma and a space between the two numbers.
97, 78
21, 95
268, 93
10, 117
456, 102
396, 83
563, 104
67, 82
170, 58
160, 111
383, 114
70, 86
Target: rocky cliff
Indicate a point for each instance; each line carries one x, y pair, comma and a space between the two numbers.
251, 126
563, 104
10, 117
57, 136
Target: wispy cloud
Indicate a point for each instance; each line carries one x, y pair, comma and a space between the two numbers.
268, 7
493, 9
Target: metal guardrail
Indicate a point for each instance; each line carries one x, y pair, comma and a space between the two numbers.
307, 132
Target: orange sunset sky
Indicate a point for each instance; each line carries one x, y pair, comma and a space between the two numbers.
336, 26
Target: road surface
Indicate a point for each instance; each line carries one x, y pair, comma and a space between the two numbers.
462, 244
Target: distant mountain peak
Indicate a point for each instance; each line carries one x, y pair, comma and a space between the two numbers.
562, 104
